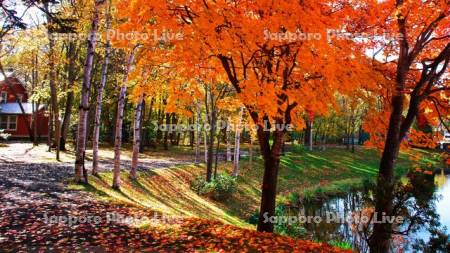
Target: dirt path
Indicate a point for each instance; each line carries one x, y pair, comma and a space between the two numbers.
25, 153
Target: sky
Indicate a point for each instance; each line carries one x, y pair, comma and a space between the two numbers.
32, 16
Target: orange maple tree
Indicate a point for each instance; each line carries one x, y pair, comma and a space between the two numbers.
413, 42
279, 62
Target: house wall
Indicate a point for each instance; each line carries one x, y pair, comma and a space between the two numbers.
42, 124
17, 87
22, 130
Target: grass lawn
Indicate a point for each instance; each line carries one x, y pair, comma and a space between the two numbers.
302, 174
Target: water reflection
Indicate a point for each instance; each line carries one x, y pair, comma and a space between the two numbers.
422, 200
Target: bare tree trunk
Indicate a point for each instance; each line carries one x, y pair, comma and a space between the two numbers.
66, 119
217, 155
271, 157
237, 140
50, 130
84, 101
141, 129
101, 88
212, 132
197, 134
35, 105
205, 144
72, 53
137, 136
166, 133
191, 134
145, 124
228, 136
119, 123
53, 88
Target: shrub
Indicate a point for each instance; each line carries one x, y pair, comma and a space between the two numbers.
253, 219
200, 186
220, 188
295, 229
341, 244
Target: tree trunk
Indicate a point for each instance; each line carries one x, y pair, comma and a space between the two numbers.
35, 105
205, 145
53, 88
166, 133
72, 54
237, 142
99, 102
146, 124
217, 155
379, 241
141, 129
119, 123
137, 136
66, 119
228, 137
212, 132
50, 130
191, 134
271, 158
84, 101
197, 134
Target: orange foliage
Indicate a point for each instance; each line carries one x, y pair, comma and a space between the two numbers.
243, 42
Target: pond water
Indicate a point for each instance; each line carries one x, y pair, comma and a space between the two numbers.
424, 203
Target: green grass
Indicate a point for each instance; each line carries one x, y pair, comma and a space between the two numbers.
305, 174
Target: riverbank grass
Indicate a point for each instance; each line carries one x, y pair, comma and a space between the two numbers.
303, 174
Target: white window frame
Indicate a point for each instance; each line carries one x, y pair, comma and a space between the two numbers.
4, 96
9, 122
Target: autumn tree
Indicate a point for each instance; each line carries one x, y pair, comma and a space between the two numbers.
414, 53
80, 152
119, 118
272, 76
101, 88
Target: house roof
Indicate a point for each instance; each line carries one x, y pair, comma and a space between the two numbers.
13, 78
14, 108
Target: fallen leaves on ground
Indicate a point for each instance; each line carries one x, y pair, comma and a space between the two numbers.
32, 206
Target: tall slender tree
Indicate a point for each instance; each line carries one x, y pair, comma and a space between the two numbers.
80, 152
100, 89
420, 80
119, 120
52, 82
137, 135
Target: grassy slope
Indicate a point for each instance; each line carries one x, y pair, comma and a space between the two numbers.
303, 172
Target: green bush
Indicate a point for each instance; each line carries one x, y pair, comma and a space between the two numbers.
295, 229
253, 219
200, 186
220, 188
341, 244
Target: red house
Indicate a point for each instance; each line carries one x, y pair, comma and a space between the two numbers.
12, 119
